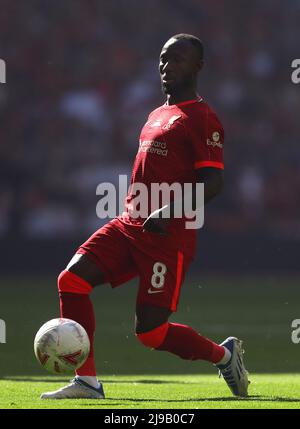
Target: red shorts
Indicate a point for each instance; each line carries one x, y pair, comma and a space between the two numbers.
123, 252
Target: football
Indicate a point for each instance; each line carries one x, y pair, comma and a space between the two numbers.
61, 345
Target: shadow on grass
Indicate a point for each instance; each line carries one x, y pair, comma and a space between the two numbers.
36, 380
62, 380
257, 398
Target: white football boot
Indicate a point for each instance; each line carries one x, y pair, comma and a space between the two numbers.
234, 371
77, 389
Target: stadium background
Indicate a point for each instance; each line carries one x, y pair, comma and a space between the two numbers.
81, 79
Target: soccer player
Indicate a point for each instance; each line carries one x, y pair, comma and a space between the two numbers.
181, 142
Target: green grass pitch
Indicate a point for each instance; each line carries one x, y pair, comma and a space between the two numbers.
157, 392
259, 310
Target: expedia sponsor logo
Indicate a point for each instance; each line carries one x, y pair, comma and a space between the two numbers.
215, 140
153, 146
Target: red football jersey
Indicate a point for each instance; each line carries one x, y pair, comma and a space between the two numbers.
175, 141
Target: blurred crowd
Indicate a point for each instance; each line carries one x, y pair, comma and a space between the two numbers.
82, 77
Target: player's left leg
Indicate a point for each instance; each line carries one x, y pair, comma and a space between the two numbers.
160, 282
162, 271
154, 331
162, 268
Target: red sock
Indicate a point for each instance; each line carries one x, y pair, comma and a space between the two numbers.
80, 308
183, 341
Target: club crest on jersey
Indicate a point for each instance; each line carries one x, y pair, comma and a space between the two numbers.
171, 122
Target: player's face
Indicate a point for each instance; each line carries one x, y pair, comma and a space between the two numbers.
178, 66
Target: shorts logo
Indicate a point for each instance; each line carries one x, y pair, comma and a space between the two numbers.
154, 291
215, 141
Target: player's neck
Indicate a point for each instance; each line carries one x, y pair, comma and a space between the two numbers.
180, 98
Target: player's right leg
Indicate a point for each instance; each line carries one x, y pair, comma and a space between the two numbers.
162, 270
104, 257
74, 285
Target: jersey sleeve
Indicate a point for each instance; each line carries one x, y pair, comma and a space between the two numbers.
207, 137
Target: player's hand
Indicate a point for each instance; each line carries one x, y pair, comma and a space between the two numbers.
155, 224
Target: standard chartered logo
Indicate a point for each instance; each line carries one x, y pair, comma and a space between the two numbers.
2, 332
152, 146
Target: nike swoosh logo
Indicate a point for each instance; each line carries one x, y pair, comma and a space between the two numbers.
154, 291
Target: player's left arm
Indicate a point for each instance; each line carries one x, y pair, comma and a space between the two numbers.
213, 179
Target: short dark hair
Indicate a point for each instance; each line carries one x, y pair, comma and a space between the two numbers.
195, 41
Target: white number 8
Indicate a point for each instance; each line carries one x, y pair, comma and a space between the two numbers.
158, 278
